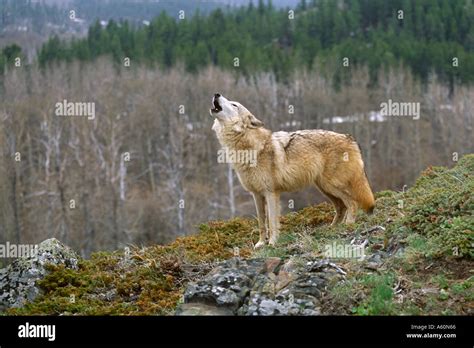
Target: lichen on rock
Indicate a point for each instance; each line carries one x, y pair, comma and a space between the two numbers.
18, 281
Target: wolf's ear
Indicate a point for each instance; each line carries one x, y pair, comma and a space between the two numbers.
254, 122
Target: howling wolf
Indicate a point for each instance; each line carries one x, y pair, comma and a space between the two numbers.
289, 161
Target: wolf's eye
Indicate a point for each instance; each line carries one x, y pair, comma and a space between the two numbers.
234, 105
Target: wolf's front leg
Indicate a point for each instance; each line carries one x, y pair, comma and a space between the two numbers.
273, 211
261, 214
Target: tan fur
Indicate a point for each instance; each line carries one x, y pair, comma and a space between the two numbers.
290, 161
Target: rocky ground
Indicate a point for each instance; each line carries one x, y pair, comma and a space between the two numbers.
269, 286
418, 259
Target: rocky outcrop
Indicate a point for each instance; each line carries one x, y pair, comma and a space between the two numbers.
270, 286
18, 281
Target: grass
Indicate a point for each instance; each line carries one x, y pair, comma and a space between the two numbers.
380, 299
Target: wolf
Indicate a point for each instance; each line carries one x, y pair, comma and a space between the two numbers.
290, 161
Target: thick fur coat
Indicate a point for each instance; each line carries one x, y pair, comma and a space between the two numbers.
290, 161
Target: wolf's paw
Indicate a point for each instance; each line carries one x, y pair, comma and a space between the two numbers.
259, 244
272, 241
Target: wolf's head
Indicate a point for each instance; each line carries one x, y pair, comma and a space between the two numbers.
234, 114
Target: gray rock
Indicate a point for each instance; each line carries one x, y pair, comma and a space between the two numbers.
260, 287
202, 309
375, 260
18, 280
225, 286
108, 296
270, 307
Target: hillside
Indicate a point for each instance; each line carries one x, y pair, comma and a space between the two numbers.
418, 258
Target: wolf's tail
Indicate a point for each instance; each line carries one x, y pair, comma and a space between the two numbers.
366, 198
370, 210
367, 201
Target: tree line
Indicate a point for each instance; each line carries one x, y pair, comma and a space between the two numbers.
429, 36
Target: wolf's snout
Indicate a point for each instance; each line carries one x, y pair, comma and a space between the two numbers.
215, 103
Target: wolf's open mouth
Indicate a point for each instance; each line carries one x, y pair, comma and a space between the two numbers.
217, 107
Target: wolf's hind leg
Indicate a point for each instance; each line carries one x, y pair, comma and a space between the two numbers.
340, 207
262, 218
350, 215
340, 210
338, 203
